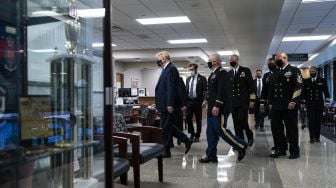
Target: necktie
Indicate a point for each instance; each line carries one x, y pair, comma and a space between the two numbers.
191, 94
234, 72
259, 88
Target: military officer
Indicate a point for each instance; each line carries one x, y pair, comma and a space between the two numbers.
284, 96
243, 97
312, 96
264, 103
218, 99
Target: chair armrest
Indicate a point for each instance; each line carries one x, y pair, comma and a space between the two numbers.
122, 145
135, 141
149, 134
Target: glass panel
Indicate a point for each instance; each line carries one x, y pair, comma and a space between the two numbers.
51, 94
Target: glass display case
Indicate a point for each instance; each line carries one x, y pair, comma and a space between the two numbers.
47, 98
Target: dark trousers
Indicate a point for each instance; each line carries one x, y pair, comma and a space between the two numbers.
215, 130
290, 119
240, 122
169, 130
179, 119
258, 115
314, 122
194, 108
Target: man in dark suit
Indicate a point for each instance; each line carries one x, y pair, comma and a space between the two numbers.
312, 96
243, 97
218, 99
284, 95
167, 100
258, 115
196, 89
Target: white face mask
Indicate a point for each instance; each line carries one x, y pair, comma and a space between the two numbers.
192, 73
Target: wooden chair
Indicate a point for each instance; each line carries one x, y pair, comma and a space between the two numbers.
142, 148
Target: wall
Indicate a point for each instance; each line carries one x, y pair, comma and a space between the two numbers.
130, 75
149, 80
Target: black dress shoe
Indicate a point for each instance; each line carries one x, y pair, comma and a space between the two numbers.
303, 127
316, 140
188, 146
250, 142
311, 141
241, 153
273, 148
294, 156
179, 142
208, 160
277, 154
196, 140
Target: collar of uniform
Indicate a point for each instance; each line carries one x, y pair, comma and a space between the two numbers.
216, 69
166, 65
283, 68
236, 69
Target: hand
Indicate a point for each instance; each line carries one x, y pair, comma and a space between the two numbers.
291, 106
215, 111
262, 108
204, 104
184, 108
170, 109
251, 104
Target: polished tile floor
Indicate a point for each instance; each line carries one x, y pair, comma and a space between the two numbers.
315, 168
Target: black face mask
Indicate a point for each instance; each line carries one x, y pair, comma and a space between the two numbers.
210, 64
271, 67
233, 63
313, 75
159, 63
279, 63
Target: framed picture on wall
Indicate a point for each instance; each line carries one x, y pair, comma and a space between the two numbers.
134, 83
142, 92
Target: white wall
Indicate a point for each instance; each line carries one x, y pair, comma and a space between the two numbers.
149, 80
132, 74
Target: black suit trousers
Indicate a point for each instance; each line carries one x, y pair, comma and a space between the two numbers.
290, 119
194, 108
258, 115
240, 122
314, 122
169, 129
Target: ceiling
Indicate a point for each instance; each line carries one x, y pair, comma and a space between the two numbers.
252, 29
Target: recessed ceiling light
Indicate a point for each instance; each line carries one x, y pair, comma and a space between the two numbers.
45, 13
44, 50
306, 38
187, 41
91, 13
99, 45
225, 52
163, 20
315, 1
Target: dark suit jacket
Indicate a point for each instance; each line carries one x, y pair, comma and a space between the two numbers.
201, 87
312, 93
255, 81
285, 87
167, 89
183, 93
242, 87
265, 88
218, 95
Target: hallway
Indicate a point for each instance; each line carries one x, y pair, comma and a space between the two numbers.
315, 168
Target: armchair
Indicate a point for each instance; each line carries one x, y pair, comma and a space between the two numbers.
142, 148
